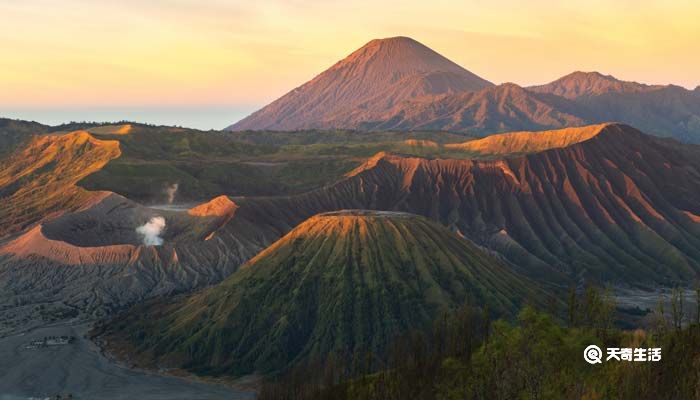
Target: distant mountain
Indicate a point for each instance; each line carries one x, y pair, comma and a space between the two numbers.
495, 109
374, 78
587, 84
669, 111
340, 282
399, 84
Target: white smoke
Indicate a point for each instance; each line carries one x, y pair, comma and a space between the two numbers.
151, 231
171, 191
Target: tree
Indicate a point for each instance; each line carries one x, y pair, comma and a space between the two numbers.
677, 313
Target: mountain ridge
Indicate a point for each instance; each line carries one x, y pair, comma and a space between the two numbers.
581, 84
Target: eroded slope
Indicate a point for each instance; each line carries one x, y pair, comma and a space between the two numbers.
620, 206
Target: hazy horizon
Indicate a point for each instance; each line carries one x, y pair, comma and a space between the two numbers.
203, 118
189, 55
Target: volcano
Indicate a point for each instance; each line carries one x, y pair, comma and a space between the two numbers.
399, 84
371, 80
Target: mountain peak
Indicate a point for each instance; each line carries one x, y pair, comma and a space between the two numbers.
589, 84
590, 74
396, 56
363, 85
394, 39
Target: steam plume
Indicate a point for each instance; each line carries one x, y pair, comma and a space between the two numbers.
151, 231
170, 191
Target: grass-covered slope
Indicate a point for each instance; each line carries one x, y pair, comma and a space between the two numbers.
343, 281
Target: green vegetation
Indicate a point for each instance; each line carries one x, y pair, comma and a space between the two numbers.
466, 357
208, 164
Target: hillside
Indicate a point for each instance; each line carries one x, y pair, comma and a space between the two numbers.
343, 281
38, 180
380, 74
15, 132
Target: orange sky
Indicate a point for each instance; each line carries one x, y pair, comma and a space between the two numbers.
181, 53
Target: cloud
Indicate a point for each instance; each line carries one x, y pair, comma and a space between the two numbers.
151, 231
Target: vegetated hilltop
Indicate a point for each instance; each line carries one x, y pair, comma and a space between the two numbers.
339, 282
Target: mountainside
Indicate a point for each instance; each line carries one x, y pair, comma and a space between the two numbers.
382, 73
587, 84
344, 281
670, 111
618, 205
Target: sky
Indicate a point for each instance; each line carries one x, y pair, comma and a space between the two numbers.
206, 64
